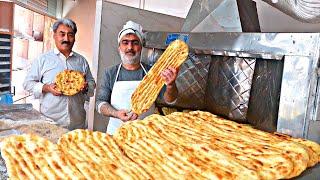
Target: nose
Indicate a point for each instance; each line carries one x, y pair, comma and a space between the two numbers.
130, 46
65, 38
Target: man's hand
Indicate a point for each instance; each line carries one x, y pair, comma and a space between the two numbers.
51, 88
84, 88
169, 76
124, 115
134, 116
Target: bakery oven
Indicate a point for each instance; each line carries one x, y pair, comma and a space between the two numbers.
268, 80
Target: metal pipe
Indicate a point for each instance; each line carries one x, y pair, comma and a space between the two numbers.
302, 10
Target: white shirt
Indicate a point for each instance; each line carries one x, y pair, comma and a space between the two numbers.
67, 111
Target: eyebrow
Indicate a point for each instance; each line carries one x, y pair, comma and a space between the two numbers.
66, 32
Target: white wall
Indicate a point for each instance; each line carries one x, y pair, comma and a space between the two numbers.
83, 13
179, 8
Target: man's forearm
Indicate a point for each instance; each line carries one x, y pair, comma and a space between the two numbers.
171, 93
107, 110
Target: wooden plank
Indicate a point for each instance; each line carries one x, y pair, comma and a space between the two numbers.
38, 26
248, 16
5, 32
28, 6
20, 47
48, 34
6, 17
23, 26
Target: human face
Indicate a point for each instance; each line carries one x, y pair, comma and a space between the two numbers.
64, 38
130, 49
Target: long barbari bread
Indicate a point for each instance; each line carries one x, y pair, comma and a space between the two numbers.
148, 89
200, 145
195, 145
79, 154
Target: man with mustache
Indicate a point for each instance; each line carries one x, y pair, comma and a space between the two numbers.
120, 81
67, 111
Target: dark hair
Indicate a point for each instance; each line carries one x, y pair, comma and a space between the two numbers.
67, 22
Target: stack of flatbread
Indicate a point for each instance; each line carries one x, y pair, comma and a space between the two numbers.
193, 145
80, 154
203, 146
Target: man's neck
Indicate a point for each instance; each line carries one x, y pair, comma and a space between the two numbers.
66, 54
131, 67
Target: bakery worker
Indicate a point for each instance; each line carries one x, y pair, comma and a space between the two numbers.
67, 111
120, 81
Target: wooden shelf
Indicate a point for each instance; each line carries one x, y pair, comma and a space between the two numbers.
4, 70
5, 47
5, 32
4, 55
22, 25
6, 17
4, 63
5, 92
4, 85
30, 36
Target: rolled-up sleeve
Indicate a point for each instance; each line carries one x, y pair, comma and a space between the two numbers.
32, 82
104, 92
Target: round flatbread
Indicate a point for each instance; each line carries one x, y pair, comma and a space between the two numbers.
70, 82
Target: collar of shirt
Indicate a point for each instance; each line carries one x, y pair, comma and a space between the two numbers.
61, 56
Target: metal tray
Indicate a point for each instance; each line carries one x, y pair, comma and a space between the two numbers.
5, 108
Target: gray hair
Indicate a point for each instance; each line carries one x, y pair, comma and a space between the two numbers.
66, 22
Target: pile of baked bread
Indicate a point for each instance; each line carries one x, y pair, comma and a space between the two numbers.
193, 145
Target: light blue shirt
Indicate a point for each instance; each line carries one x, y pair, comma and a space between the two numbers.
67, 111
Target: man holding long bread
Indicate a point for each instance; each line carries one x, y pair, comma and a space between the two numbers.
121, 80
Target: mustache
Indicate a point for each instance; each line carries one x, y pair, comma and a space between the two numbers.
130, 51
65, 42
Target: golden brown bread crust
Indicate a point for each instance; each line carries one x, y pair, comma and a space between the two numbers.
142, 141
194, 145
70, 82
168, 110
313, 148
80, 154
100, 149
264, 153
148, 89
32, 157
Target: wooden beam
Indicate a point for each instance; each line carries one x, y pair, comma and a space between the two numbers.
248, 16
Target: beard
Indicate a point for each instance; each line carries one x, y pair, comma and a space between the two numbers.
129, 59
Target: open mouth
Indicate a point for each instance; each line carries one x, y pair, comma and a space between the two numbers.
130, 54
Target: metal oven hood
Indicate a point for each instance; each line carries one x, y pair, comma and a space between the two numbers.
221, 76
